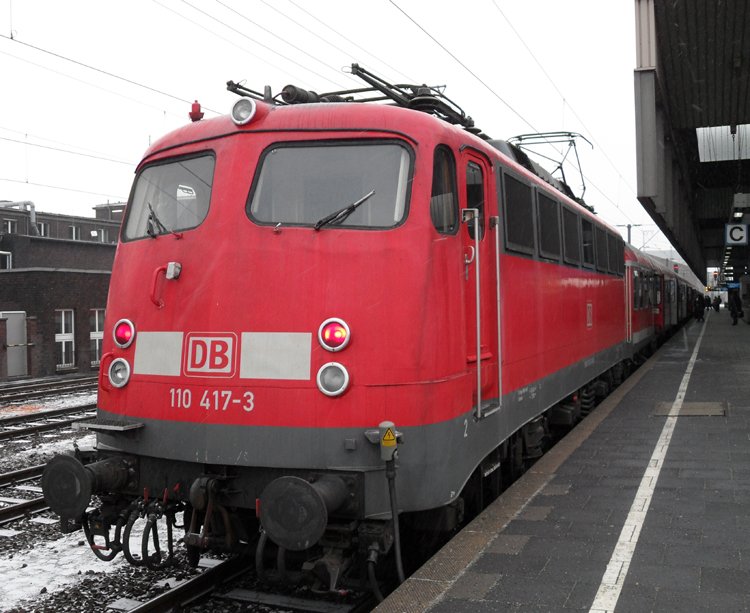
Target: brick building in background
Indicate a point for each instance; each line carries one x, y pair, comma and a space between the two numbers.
54, 278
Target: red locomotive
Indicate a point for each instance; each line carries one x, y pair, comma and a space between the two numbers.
308, 282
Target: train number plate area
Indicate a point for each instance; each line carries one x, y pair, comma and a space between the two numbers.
204, 399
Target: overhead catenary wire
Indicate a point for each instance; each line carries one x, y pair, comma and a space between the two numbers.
286, 40
492, 91
312, 21
256, 42
464, 66
224, 39
87, 83
120, 198
68, 151
348, 40
99, 70
562, 96
28, 135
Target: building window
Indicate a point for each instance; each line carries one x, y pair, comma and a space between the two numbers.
74, 232
10, 226
103, 235
96, 334
43, 228
6, 260
65, 338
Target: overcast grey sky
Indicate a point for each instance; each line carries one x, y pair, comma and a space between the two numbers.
87, 85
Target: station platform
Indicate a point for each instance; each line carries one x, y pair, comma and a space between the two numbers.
644, 506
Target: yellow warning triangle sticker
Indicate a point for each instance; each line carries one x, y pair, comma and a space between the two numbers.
389, 437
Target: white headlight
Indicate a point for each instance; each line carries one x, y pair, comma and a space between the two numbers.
119, 372
243, 111
333, 379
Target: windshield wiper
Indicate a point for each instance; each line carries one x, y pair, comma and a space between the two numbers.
339, 216
153, 220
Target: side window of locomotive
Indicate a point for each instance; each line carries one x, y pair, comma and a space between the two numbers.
613, 254
303, 183
549, 227
519, 216
571, 237
170, 197
475, 196
444, 197
601, 249
587, 238
620, 256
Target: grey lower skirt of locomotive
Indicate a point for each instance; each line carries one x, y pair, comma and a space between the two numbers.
314, 519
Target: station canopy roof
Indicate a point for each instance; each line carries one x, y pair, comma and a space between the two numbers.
692, 85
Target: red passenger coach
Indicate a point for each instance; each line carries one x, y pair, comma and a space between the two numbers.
306, 284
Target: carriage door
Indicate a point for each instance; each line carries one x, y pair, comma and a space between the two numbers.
480, 284
16, 342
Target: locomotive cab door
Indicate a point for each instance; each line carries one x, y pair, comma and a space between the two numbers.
480, 283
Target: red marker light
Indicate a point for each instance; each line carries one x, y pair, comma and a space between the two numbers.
334, 334
195, 113
124, 333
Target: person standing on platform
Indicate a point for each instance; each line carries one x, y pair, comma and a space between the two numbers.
735, 306
698, 308
717, 302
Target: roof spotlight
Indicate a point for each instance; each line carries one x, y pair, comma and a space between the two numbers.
243, 111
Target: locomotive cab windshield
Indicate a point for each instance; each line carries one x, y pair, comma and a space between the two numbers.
170, 197
303, 184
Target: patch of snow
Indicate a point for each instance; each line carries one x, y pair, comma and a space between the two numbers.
54, 566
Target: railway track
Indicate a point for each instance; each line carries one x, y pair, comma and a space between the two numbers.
15, 509
19, 426
19, 510
191, 590
215, 585
20, 392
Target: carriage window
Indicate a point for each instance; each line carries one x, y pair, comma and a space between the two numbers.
475, 196
549, 227
570, 232
303, 183
637, 290
519, 216
443, 201
587, 231
170, 197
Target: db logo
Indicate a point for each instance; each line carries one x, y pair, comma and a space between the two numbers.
209, 355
